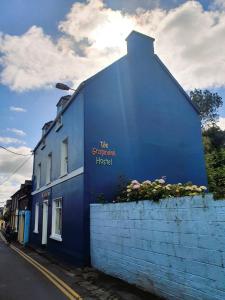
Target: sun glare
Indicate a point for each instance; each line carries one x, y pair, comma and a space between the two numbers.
113, 33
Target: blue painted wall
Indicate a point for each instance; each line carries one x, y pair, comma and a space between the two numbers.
72, 248
141, 111
174, 248
146, 121
26, 226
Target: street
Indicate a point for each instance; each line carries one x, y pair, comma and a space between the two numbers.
20, 280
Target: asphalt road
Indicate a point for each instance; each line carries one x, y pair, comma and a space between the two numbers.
19, 280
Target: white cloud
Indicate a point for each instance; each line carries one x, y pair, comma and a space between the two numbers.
17, 109
218, 4
17, 131
10, 140
189, 39
221, 123
9, 163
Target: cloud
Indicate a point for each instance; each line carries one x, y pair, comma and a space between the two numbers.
221, 123
189, 39
10, 140
218, 4
17, 131
17, 109
9, 163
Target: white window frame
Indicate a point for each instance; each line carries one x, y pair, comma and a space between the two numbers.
49, 169
36, 217
64, 157
54, 235
38, 184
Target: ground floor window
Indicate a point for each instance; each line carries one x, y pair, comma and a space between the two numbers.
57, 219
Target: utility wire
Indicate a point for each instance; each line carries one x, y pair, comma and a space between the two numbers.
14, 172
14, 152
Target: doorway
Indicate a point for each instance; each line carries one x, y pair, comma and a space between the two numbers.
45, 223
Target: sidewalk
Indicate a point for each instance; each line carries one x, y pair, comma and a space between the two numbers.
88, 282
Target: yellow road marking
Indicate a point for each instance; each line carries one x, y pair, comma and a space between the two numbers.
75, 294
61, 285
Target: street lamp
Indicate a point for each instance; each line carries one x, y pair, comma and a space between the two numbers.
62, 86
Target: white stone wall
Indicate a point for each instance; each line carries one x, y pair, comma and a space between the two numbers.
174, 248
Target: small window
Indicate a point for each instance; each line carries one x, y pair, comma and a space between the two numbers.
36, 216
64, 157
57, 219
38, 176
59, 123
49, 169
43, 144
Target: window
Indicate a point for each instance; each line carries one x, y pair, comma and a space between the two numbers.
57, 219
43, 144
64, 157
49, 169
59, 123
38, 176
36, 217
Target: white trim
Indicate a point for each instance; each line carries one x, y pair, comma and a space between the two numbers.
56, 237
35, 231
72, 174
64, 157
36, 217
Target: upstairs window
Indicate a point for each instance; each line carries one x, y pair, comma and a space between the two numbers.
49, 169
36, 217
38, 176
59, 123
64, 157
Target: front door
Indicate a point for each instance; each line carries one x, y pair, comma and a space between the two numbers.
45, 223
21, 228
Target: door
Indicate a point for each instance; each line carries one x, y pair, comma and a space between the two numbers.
45, 223
21, 228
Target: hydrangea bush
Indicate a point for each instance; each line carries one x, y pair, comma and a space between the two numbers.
158, 189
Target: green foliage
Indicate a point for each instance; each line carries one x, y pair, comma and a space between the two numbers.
207, 104
214, 141
157, 189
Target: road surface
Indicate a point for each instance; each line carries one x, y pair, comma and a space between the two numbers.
19, 280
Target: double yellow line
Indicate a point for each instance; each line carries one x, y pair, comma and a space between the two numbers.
61, 285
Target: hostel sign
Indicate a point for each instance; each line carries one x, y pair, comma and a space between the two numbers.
103, 154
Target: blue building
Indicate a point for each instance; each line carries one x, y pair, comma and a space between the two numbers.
130, 120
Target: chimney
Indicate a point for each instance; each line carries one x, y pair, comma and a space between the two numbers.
139, 44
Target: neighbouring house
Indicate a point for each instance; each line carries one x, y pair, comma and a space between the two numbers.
131, 120
20, 212
7, 210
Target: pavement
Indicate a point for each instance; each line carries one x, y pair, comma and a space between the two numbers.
21, 280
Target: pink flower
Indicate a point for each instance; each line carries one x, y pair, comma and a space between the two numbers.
136, 186
134, 182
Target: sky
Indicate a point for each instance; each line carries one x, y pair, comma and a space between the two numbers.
48, 41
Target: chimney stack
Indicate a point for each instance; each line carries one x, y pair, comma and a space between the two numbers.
139, 44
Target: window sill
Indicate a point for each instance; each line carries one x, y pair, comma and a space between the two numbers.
63, 175
56, 237
35, 231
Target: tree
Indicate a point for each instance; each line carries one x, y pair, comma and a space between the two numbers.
214, 142
207, 104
